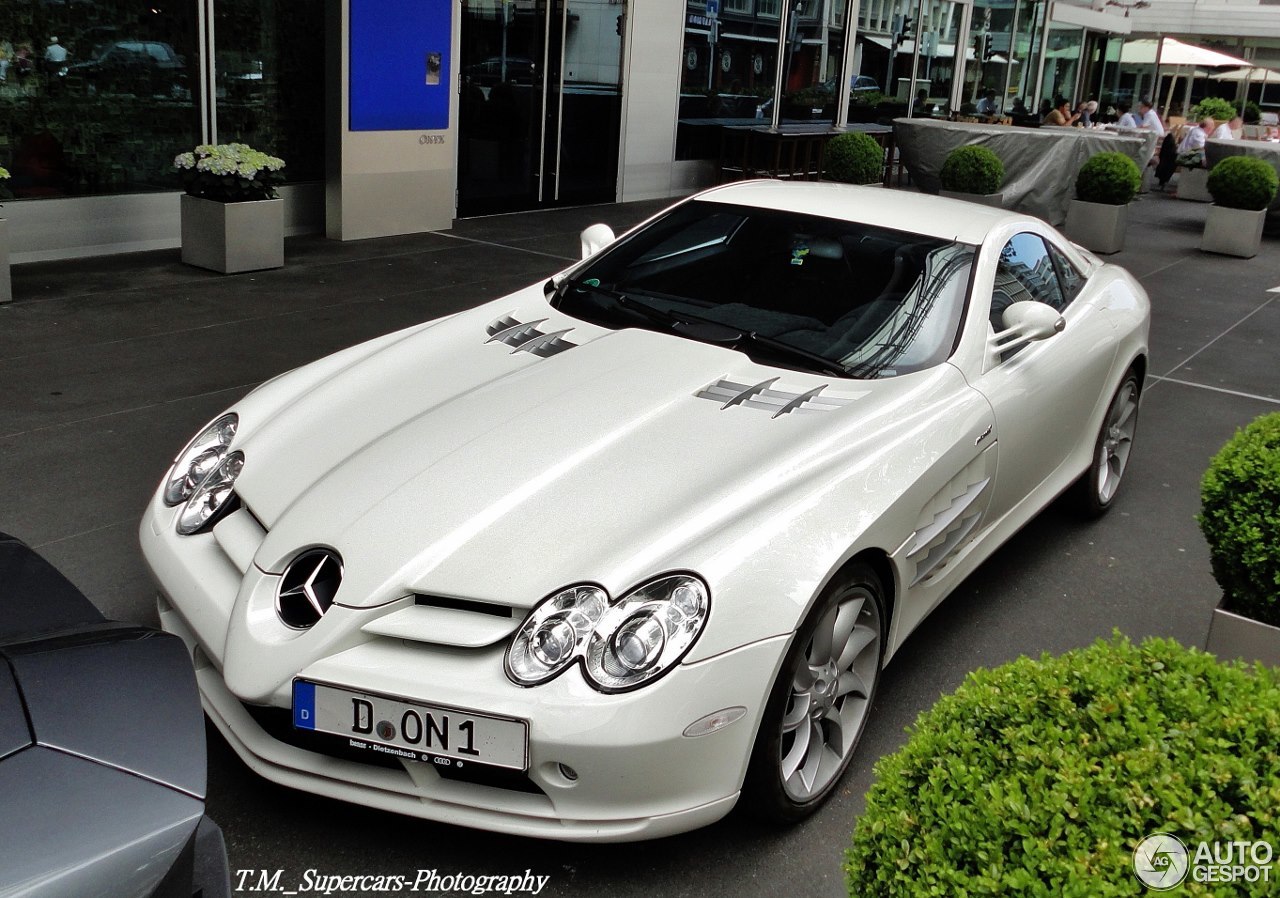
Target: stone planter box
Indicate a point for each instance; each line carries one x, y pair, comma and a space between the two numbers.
1233, 232
232, 237
984, 199
1193, 184
1233, 636
6, 286
1097, 226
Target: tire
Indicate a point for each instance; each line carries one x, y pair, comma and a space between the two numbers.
1097, 487
820, 703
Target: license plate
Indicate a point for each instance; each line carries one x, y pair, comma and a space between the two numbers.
411, 730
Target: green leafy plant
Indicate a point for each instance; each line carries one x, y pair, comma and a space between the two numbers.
1110, 178
229, 173
5, 193
1240, 518
1037, 779
1243, 182
972, 169
854, 158
867, 98
1250, 111
1218, 109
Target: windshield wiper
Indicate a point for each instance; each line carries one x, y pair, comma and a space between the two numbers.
794, 353
733, 336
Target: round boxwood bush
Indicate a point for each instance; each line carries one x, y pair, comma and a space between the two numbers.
853, 158
1111, 178
972, 169
1218, 109
1243, 182
1240, 519
1250, 111
1038, 779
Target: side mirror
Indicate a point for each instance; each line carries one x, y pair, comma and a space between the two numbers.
595, 238
1026, 322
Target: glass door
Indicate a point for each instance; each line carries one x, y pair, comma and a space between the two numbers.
541, 103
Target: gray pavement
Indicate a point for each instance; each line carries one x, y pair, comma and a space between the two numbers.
107, 366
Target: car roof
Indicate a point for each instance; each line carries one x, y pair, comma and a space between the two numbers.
901, 210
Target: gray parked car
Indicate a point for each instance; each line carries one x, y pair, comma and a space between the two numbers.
102, 753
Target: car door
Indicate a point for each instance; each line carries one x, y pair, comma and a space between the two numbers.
1045, 393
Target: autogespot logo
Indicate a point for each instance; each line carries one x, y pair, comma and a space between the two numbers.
1161, 861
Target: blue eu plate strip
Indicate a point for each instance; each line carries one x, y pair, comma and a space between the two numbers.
304, 705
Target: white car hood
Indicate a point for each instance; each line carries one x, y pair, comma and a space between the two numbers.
448, 465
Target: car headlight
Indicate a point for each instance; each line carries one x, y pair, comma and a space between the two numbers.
212, 495
623, 644
201, 456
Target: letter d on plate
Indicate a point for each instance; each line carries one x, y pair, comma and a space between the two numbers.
304, 705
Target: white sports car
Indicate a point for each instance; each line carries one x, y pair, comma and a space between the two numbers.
598, 559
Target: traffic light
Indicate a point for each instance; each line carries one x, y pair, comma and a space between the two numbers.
908, 24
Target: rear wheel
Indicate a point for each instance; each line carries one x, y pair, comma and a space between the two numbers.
1096, 490
820, 703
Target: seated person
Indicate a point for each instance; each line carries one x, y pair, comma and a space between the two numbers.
1150, 118
1061, 113
987, 105
1227, 130
1191, 147
1085, 112
1019, 107
1127, 119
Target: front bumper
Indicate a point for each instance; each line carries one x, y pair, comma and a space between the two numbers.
632, 773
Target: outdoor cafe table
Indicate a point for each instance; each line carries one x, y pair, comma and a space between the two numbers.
1040, 164
1217, 150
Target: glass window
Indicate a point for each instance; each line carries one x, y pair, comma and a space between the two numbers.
797, 290
1072, 280
270, 80
771, 8
1025, 272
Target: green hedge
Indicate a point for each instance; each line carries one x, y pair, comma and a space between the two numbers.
1038, 779
1242, 182
972, 169
854, 158
1240, 519
1110, 178
1219, 109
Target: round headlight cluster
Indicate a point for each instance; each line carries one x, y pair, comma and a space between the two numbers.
201, 456
211, 496
623, 644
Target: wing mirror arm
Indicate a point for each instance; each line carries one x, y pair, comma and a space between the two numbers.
1027, 322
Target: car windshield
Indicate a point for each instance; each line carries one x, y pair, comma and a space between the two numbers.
802, 291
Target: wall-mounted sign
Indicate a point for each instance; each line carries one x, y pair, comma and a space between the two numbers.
399, 65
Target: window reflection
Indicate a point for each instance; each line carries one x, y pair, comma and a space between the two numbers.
98, 97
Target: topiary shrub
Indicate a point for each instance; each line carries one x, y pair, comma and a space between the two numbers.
1218, 109
1110, 178
1250, 112
853, 158
972, 169
1037, 779
1240, 519
1243, 182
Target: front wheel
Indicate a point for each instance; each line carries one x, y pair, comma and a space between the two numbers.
819, 705
1096, 490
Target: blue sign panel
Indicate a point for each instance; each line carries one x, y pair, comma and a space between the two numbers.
400, 65
713, 8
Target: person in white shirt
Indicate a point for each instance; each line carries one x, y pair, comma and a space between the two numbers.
1226, 131
1195, 137
1150, 118
1127, 119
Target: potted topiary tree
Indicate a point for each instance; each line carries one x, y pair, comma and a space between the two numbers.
973, 173
853, 158
1240, 519
232, 218
1242, 188
1088, 775
1098, 216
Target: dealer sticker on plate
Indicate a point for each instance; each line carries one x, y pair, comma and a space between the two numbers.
409, 729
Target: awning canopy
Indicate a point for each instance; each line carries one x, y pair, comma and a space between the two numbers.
1176, 53
908, 47
1256, 74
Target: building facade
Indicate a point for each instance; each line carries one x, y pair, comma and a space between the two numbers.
399, 116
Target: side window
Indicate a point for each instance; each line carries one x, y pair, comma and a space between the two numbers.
1072, 280
1025, 271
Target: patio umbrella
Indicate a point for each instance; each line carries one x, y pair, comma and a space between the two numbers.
1176, 53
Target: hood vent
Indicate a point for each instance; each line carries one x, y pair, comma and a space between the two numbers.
527, 337
780, 402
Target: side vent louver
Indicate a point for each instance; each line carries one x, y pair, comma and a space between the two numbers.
526, 337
